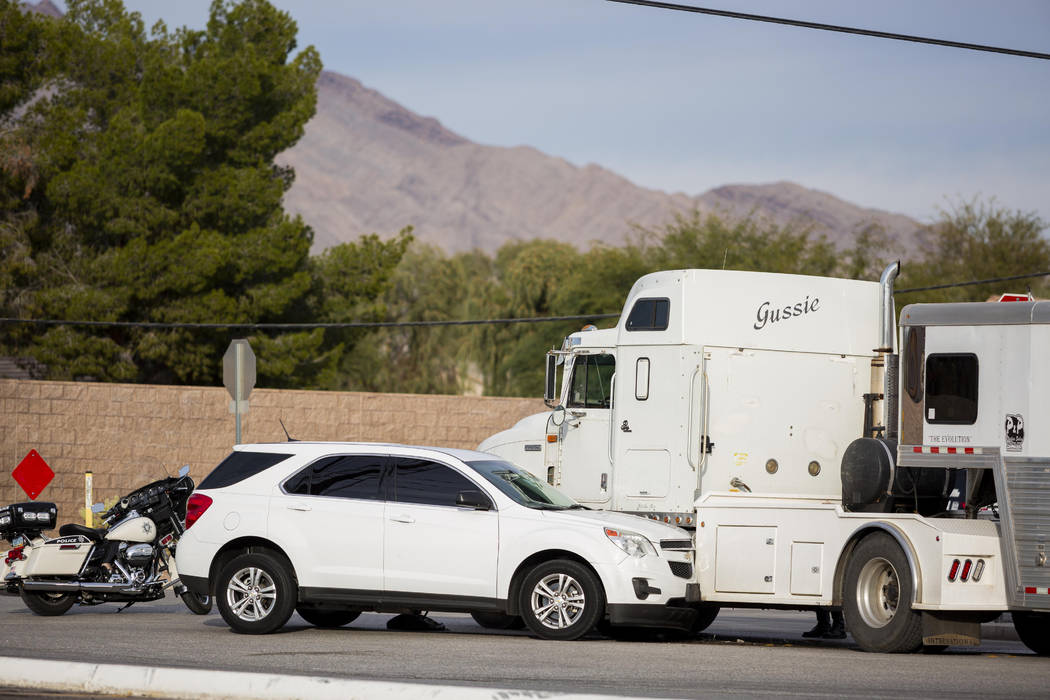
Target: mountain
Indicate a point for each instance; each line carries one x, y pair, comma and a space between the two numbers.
369, 165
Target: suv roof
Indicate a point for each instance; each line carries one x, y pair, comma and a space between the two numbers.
319, 446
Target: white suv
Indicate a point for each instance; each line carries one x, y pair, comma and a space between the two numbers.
333, 529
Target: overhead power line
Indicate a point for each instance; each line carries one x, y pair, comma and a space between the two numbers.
973, 283
299, 326
159, 325
835, 28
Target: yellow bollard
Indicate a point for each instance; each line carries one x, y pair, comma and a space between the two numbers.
89, 517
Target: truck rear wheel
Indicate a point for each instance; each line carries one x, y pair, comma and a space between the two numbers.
877, 597
1034, 630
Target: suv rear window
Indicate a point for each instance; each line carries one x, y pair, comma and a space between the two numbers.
239, 466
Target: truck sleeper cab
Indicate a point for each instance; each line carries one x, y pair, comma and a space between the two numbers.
744, 407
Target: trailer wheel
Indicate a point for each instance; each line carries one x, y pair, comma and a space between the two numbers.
46, 603
877, 597
1034, 630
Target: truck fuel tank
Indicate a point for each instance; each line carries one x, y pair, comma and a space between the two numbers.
872, 481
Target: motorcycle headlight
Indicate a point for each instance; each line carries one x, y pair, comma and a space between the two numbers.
5, 520
632, 543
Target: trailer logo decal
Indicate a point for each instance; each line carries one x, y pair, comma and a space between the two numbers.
1014, 432
767, 315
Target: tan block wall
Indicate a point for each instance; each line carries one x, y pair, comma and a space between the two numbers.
128, 434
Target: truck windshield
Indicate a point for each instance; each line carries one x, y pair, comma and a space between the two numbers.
521, 486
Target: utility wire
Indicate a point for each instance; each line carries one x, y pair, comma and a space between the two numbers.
408, 324
974, 282
834, 28
299, 326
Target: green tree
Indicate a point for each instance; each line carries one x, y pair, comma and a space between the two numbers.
973, 241
710, 241
155, 196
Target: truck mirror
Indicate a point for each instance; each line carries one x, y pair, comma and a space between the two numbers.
558, 415
550, 385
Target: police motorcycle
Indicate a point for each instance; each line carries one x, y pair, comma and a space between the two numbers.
125, 561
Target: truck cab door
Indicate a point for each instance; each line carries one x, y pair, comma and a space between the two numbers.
584, 470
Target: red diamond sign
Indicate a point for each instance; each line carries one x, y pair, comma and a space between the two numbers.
33, 474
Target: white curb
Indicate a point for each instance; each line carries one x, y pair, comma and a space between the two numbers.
155, 681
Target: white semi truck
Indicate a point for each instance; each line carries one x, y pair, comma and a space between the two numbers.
766, 413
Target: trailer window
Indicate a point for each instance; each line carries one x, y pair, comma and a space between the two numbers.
592, 381
951, 388
649, 315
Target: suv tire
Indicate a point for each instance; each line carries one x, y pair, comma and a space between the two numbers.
256, 593
561, 599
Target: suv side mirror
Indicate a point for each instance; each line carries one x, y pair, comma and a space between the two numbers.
473, 499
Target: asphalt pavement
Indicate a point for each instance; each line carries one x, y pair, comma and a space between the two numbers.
745, 653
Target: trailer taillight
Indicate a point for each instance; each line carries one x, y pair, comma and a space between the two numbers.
978, 570
954, 571
966, 570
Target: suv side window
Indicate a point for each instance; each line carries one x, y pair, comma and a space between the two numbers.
341, 476
430, 483
239, 466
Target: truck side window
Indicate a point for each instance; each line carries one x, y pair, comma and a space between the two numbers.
911, 367
592, 381
951, 388
649, 315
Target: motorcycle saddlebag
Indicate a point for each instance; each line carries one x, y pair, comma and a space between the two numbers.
32, 517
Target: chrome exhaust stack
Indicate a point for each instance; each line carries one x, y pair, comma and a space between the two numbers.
887, 338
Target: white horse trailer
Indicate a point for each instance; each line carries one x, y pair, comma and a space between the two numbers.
744, 406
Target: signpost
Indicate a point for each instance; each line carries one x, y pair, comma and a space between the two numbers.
238, 375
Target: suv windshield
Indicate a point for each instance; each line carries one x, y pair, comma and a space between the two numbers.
521, 486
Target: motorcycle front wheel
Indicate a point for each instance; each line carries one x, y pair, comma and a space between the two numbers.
47, 604
198, 604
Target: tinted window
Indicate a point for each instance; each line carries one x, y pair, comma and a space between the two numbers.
342, 476
521, 486
423, 481
951, 388
649, 315
239, 466
592, 381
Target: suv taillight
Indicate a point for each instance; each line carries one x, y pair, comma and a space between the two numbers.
195, 508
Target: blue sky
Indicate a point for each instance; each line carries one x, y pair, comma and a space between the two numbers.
684, 102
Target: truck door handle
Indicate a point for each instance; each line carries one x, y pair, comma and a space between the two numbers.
300, 506
402, 518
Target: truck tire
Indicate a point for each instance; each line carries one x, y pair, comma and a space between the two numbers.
561, 599
48, 604
198, 604
328, 619
256, 593
877, 595
1034, 630
498, 621
705, 615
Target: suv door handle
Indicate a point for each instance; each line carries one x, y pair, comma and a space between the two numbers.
300, 506
402, 518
